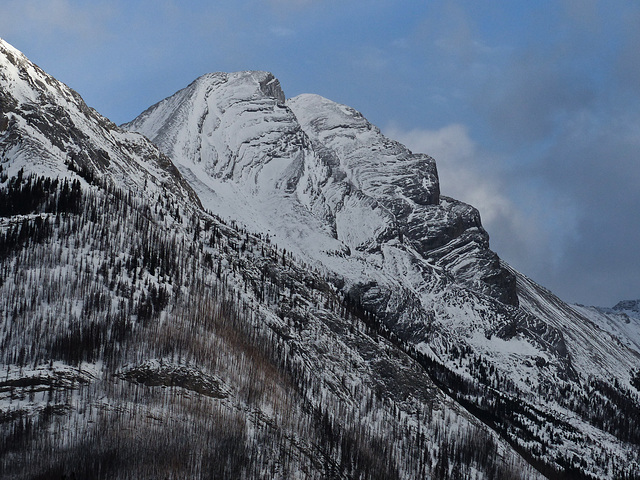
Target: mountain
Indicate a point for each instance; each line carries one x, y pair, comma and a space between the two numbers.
327, 185
143, 337
320, 176
273, 289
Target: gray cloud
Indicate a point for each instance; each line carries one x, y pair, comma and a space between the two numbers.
597, 164
533, 96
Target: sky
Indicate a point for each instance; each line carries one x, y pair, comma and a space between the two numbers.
531, 109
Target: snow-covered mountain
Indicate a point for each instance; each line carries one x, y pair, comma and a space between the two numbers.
144, 338
325, 181
327, 185
295, 300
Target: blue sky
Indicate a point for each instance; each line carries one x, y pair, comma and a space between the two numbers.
531, 109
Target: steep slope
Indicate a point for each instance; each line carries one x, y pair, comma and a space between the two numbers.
325, 184
141, 337
47, 129
622, 321
445, 232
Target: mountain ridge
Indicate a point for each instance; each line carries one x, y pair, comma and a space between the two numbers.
308, 171
312, 333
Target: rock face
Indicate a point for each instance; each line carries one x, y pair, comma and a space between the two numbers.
156, 373
345, 187
442, 230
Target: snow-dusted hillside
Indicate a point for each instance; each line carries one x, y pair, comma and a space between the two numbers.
325, 184
622, 321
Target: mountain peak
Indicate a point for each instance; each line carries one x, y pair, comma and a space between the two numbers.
346, 186
259, 83
10, 53
23, 81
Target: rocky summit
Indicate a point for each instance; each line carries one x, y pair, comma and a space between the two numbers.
346, 188
240, 285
